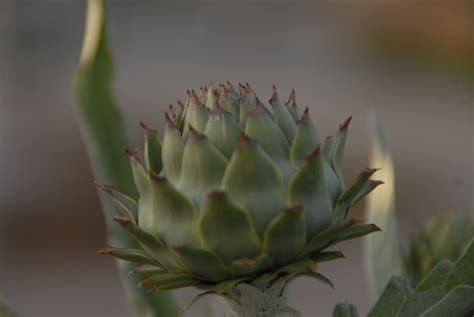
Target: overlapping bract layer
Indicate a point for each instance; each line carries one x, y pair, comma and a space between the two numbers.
236, 191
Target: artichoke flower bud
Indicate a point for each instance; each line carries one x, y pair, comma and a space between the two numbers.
238, 199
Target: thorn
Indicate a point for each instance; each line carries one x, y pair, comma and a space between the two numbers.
171, 112
244, 138
231, 87
131, 154
216, 194
377, 183
170, 123
122, 220
194, 100
195, 135
146, 128
157, 178
293, 209
145, 282
153, 289
377, 228
217, 110
179, 248
247, 261
103, 251
106, 188
241, 90
314, 152
345, 124
305, 117
369, 171
274, 97
292, 98
249, 89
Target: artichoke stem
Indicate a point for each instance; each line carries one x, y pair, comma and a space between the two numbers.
247, 300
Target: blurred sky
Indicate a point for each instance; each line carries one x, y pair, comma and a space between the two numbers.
50, 221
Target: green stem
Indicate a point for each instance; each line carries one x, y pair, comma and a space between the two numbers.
248, 300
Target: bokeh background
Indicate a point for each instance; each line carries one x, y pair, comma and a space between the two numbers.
411, 62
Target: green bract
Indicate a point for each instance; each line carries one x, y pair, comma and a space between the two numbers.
238, 197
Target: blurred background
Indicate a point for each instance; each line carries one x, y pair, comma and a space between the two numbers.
411, 62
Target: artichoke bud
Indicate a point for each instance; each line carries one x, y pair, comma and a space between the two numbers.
237, 193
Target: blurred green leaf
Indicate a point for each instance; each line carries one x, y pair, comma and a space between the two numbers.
447, 291
382, 249
6, 310
345, 310
443, 236
104, 134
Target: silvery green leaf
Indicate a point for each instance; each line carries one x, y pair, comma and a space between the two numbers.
383, 258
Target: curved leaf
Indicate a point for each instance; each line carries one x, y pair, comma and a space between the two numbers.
103, 131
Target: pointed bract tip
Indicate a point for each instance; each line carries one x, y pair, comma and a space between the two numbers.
339, 254
247, 261
178, 248
217, 110
103, 251
375, 227
170, 122
292, 98
195, 135
216, 194
153, 289
315, 152
244, 140
241, 90
157, 178
106, 188
378, 182
122, 220
369, 171
274, 97
147, 129
345, 124
293, 209
145, 281
180, 104
304, 117
132, 154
